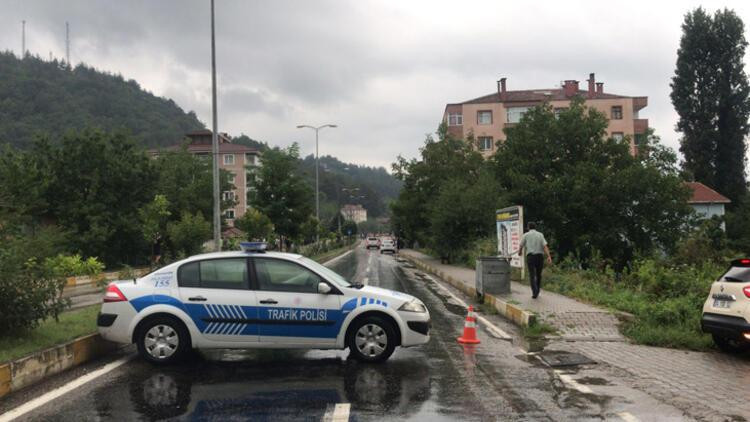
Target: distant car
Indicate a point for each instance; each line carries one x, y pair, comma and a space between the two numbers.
726, 312
253, 299
372, 242
387, 245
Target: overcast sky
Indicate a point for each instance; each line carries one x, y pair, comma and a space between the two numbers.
382, 70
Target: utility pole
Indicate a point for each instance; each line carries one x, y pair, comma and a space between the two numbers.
23, 39
67, 43
215, 139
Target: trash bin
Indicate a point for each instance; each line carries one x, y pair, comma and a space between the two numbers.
493, 275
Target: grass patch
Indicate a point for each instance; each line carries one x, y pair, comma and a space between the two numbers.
50, 333
537, 330
666, 302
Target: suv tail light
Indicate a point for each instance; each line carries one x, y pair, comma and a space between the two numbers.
746, 291
113, 294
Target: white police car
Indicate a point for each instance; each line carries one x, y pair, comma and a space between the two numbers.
252, 299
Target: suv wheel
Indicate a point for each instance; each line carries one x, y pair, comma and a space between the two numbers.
731, 345
163, 340
371, 339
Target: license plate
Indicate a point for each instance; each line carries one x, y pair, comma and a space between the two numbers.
722, 303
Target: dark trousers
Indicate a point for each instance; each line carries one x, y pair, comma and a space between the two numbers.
535, 263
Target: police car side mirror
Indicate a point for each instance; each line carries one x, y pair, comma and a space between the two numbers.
324, 288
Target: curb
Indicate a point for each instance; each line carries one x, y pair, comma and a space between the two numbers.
29, 370
514, 313
109, 276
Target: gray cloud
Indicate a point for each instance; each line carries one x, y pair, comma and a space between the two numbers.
382, 70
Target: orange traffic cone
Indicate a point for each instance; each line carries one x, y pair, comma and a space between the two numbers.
470, 329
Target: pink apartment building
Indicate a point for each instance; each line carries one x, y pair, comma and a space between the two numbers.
232, 157
486, 117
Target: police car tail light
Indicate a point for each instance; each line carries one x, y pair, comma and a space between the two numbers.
113, 294
746, 291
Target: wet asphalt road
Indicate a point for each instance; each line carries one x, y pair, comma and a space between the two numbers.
441, 380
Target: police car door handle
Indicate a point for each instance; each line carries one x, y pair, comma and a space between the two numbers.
197, 299
269, 302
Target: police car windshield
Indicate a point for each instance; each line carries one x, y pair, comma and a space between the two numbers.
329, 274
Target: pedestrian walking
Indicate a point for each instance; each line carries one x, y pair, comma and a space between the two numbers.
535, 246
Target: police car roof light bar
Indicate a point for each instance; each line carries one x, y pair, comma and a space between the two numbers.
259, 247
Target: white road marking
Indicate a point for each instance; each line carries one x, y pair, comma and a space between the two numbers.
339, 413
332, 260
72, 385
628, 417
492, 328
570, 382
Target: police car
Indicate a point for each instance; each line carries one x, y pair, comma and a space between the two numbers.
257, 299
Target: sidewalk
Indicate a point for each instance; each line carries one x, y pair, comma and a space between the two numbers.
573, 320
705, 385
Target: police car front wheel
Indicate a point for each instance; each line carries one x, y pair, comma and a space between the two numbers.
162, 340
371, 339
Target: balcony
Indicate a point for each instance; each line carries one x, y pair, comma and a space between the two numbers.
640, 126
639, 103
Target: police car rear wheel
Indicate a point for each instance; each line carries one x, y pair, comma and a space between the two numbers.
163, 340
372, 339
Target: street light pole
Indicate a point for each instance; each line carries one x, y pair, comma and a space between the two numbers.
317, 165
215, 140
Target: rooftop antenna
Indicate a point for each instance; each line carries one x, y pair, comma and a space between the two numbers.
67, 43
23, 39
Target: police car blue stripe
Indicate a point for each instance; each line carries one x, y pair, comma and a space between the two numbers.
372, 301
233, 311
219, 311
363, 302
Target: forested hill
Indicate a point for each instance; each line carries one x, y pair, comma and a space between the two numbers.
47, 97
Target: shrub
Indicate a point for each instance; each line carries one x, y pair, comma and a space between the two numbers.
30, 288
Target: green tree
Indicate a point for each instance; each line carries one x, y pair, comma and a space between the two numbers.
449, 160
154, 217
711, 94
280, 193
255, 224
96, 184
588, 193
187, 183
188, 234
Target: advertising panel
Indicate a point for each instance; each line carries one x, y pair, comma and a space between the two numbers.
509, 232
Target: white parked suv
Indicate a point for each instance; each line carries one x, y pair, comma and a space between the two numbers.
726, 312
252, 299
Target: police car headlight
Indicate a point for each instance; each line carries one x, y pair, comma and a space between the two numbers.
413, 306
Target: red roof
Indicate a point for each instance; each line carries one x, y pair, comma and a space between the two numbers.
702, 194
534, 95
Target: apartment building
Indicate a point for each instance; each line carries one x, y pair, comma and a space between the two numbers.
486, 117
356, 213
235, 158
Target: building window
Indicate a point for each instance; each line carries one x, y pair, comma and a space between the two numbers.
558, 111
455, 119
516, 113
203, 155
618, 136
485, 143
229, 214
228, 159
231, 178
616, 112
250, 159
228, 195
484, 117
